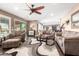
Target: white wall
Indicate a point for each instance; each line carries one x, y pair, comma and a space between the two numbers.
68, 17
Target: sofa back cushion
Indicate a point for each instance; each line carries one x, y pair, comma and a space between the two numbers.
18, 33
15, 34
11, 35
70, 35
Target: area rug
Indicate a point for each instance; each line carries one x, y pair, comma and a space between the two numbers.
27, 49
22, 51
48, 50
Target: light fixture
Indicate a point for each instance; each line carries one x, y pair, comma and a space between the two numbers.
55, 3
51, 14
16, 8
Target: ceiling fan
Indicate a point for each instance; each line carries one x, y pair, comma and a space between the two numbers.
35, 10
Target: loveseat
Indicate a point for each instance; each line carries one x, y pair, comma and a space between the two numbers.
68, 41
13, 39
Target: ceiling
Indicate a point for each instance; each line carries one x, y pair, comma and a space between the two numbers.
51, 14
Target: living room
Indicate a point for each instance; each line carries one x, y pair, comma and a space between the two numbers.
39, 29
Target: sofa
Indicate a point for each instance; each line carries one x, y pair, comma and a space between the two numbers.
0, 41
13, 40
11, 43
71, 42
68, 42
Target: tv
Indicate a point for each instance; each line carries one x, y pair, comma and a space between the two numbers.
31, 33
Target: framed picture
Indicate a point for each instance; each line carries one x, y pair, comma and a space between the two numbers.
75, 20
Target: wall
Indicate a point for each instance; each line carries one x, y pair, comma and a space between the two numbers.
33, 25
68, 17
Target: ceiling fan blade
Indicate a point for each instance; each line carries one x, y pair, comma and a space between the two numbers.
39, 8
37, 12
28, 6
27, 9
30, 13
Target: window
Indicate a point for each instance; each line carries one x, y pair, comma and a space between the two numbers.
40, 27
22, 26
4, 25
19, 25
